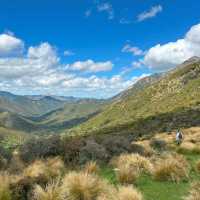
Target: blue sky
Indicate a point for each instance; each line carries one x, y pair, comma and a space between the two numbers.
92, 48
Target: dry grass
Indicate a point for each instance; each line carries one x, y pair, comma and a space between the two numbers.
5, 193
91, 168
171, 168
194, 194
128, 193
55, 166
126, 174
51, 192
135, 161
189, 147
129, 167
36, 169
198, 166
83, 186
50, 168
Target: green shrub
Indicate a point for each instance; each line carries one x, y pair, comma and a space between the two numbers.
41, 147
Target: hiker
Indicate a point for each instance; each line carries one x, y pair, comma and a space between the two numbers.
179, 137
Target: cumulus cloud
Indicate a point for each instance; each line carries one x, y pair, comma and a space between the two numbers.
10, 45
91, 66
39, 70
150, 13
106, 7
68, 53
132, 49
163, 57
102, 87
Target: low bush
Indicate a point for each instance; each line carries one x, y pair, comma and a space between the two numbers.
5, 153
41, 147
16, 165
158, 144
22, 187
194, 194
116, 145
92, 151
71, 150
140, 149
3, 163
171, 168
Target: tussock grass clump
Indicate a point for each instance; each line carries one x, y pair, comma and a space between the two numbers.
188, 148
130, 166
51, 192
194, 194
83, 186
171, 168
55, 166
128, 193
135, 161
126, 174
50, 168
91, 167
5, 180
36, 169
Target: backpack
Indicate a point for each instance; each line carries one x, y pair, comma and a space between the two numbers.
180, 136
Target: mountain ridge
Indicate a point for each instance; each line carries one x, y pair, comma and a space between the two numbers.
176, 91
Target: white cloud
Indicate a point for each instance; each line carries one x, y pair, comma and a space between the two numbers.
150, 13
124, 21
44, 52
137, 64
91, 66
39, 71
10, 45
132, 49
106, 7
88, 13
102, 87
163, 57
68, 53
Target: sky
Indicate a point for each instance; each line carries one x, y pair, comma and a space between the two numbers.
92, 48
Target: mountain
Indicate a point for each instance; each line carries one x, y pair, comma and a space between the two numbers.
139, 85
172, 100
70, 115
44, 114
26, 106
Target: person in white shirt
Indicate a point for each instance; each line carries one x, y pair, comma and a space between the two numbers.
179, 137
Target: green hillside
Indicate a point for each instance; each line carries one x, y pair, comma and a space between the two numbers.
26, 106
18, 113
171, 101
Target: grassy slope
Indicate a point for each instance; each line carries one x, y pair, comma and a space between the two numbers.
55, 121
71, 111
25, 106
152, 189
10, 137
175, 92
